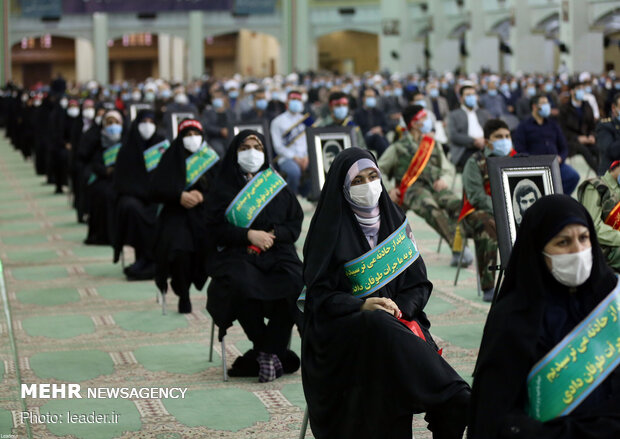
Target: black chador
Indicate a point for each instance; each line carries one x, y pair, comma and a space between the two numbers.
364, 372
249, 285
181, 232
135, 214
531, 316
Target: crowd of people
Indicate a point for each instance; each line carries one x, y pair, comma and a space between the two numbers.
163, 168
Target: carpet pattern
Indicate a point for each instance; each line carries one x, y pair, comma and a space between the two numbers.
75, 319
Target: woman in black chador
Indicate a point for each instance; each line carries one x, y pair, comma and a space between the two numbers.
364, 372
135, 214
180, 246
556, 276
255, 270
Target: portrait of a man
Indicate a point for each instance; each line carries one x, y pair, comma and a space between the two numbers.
331, 148
526, 192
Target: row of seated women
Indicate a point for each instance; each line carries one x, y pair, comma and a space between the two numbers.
369, 361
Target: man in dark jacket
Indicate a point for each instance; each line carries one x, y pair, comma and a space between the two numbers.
608, 137
372, 122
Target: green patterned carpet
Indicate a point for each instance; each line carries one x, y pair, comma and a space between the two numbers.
75, 319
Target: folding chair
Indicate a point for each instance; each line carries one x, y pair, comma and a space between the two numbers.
458, 266
223, 347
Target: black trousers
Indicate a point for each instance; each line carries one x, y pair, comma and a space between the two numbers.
272, 337
181, 273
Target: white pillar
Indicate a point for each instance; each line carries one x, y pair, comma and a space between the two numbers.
393, 12
286, 32
84, 60
196, 45
178, 59
303, 45
585, 47
163, 55
444, 50
529, 50
483, 50
100, 40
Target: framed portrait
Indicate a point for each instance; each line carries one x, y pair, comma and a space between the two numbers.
176, 119
134, 108
516, 184
324, 144
262, 126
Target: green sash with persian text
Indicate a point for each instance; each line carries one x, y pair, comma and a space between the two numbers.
572, 370
198, 163
110, 154
379, 266
152, 155
255, 195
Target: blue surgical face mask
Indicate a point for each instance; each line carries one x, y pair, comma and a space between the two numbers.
295, 106
387, 93
514, 86
502, 147
427, 126
261, 104
505, 88
114, 131
347, 89
445, 85
165, 93
341, 111
545, 110
217, 102
433, 92
579, 94
470, 101
370, 102
548, 88
588, 89
233, 94
398, 92
531, 91
420, 102
492, 92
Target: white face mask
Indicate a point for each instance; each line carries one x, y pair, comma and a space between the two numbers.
73, 111
136, 96
367, 194
571, 269
88, 113
192, 143
181, 98
146, 129
250, 160
98, 119
64, 103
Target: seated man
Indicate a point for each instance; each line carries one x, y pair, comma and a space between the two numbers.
608, 137
372, 122
477, 213
339, 116
428, 195
601, 197
540, 134
577, 122
288, 135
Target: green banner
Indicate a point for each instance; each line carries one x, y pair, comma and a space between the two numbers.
253, 198
152, 155
565, 377
198, 163
110, 154
377, 267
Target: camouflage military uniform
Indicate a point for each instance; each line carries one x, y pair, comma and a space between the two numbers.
440, 209
599, 196
480, 224
329, 121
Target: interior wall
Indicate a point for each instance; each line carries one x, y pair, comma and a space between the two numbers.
255, 53
612, 53
360, 47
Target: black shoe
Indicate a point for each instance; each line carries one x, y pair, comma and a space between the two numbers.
146, 273
58, 190
185, 306
135, 267
245, 366
290, 362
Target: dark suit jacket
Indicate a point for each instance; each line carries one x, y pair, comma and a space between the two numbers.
368, 118
572, 125
461, 145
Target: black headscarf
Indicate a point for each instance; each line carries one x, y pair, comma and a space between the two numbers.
130, 174
512, 334
335, 222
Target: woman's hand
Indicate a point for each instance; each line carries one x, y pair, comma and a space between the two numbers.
198, 196
383, 303
189, 199
262, 240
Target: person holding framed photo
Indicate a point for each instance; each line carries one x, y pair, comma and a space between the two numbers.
547, 366
415, 163
601, 196
477, 212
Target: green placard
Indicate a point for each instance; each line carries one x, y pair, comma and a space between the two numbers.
253, 198
198, 163
377, 267
110, 154
565, 377
152, 155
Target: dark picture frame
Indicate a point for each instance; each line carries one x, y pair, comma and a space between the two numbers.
262, 126
516, 183
134, 108
324, 143
176, 119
